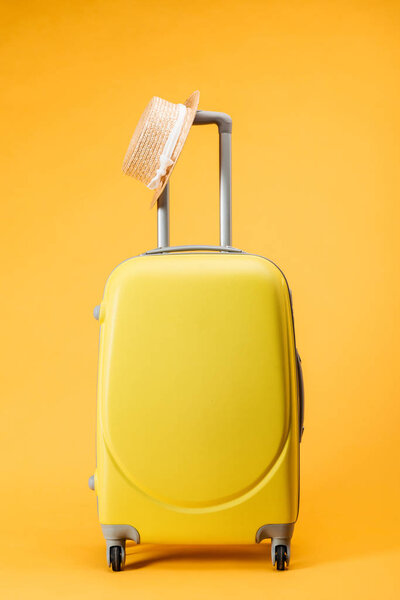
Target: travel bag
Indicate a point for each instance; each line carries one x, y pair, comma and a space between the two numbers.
200, 393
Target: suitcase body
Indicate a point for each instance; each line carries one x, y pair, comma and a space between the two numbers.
199, 414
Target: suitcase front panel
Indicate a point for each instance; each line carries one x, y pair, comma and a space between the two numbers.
196, 377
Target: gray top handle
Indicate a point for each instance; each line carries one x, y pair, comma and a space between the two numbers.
224, 123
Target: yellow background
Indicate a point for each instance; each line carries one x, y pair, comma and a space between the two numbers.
313, 88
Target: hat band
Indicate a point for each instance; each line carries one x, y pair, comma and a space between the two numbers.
165, 158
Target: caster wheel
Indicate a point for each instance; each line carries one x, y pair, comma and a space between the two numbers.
116, 558
280, 558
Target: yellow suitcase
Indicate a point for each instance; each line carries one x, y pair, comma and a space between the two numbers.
199, 394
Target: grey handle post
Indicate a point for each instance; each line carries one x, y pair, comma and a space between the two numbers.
163, 218
224, 123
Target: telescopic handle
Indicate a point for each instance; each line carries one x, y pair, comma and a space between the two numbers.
224, 123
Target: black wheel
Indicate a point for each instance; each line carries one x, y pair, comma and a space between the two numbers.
116, 558
280, 558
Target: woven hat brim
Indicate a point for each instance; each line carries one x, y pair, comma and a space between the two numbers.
191, 104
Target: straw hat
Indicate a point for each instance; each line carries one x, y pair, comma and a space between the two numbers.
158, 141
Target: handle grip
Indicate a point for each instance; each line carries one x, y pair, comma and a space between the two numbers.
174, 249
224, 124
207, 117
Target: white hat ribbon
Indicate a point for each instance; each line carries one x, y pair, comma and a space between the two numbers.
165, 158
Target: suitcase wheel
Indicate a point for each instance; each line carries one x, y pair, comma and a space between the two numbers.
116, 558
281, 557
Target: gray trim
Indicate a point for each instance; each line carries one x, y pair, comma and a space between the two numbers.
207, 117
278, 530
166, 249
120, 532
91, 482
96, 312
280, 534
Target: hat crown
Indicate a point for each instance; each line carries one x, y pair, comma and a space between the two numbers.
150, 136
162, 126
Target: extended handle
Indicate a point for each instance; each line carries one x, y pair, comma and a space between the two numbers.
224, 123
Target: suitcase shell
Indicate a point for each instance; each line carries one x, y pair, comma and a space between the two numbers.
198, 422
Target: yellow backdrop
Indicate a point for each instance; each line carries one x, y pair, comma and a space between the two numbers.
313, 89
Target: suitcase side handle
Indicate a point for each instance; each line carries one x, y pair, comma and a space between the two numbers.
224, 124
301, 395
